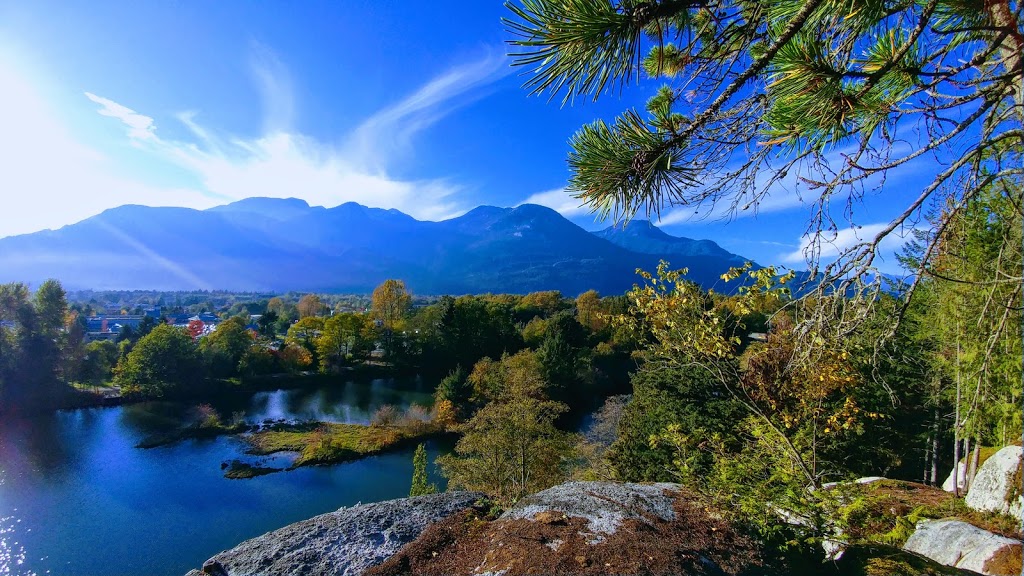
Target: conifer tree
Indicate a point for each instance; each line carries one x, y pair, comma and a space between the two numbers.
420, 484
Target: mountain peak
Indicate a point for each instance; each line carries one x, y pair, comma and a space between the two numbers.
276, 208
639, 228
644, 237
534, 211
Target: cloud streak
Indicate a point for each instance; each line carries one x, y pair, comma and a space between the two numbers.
391, 130
832, 245
49, 178
283, 163
139, 127
560, 201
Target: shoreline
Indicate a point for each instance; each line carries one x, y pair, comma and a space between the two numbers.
71, 398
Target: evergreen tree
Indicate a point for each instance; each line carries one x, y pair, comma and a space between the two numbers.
420, 485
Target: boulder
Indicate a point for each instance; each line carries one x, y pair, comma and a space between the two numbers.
881, 560
961, 478
604, 505
997, 486
596, 528
345, 542
962, 545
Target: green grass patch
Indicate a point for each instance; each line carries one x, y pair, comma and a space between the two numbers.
238, 470
210, 430
94, 387
320, 443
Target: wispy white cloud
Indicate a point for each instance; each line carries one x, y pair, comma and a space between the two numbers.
49, 178
275, 87
830, 245
284, 163
391, 130
140, 127
560, 201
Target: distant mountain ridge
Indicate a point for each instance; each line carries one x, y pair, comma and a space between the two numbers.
285, 244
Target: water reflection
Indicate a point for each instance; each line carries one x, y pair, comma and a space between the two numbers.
77, 497
347, 403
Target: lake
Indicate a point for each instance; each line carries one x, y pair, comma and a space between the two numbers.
77, 497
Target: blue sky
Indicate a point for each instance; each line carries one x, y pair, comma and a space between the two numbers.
398, 104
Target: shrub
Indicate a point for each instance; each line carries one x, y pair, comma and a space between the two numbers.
416, 419
206, 416
386, 415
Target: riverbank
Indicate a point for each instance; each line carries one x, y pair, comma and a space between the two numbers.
312, 442
74, 397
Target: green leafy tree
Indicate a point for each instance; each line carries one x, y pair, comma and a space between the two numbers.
967, 309
98, 364
146, 326
51, 305
457, 389
686, 397
563, 354
511, 447
17, 326
164, 361
258, 360
421, 485
267, 324
468, 328
224, 347
45, 343
305, 333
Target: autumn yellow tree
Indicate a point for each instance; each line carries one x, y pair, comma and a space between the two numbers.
391, 302
794, 397
590, 312
310, 305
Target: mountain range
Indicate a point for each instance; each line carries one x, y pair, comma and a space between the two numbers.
285, 244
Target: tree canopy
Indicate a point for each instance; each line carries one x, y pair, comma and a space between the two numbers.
163, 361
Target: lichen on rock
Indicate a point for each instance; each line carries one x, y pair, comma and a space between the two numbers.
996, 487
341, 543
957, 543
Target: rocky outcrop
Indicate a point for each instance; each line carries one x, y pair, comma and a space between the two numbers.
596, 528
603, 505
997, 486
345, 542
592, 528
959, 544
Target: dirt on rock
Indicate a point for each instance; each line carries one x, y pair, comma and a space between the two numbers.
695, 542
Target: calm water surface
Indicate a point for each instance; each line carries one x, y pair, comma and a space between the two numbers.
76, 496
